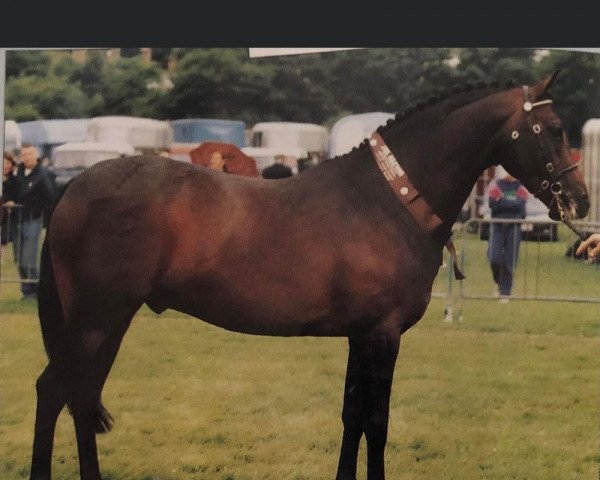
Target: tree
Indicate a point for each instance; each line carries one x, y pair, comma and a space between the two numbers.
125, 88
576, 90
90, 74
33, 97
496, 64
162, 56
27, 63
308, 88
218, 83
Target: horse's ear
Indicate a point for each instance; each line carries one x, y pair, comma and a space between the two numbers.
545, 85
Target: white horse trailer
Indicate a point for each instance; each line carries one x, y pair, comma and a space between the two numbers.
350, 130
590, 164
12, 136
144, 134
289, 137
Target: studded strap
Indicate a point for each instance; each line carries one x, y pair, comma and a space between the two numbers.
410, 197
402, 186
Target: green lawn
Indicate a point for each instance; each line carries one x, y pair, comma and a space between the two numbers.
511, 392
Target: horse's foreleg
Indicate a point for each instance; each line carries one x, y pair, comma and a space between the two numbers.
366, 401
382, 354
352, 414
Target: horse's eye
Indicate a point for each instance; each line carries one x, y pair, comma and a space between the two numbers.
556, 131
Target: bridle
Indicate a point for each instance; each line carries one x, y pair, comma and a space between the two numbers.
552, 180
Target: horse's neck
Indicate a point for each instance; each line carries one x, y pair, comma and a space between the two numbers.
450, 156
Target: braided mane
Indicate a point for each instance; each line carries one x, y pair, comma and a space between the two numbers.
432, 101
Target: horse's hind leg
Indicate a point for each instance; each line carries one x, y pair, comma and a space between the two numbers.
50, 402
371, 364
94, 338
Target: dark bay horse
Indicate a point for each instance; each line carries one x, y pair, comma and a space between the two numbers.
234, 251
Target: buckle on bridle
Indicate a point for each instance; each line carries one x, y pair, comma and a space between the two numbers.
556, 188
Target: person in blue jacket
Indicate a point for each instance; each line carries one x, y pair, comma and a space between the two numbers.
507, 198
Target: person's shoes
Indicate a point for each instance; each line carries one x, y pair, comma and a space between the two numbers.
504, 299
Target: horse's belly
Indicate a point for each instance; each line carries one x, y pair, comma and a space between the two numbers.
266, 315
308, 309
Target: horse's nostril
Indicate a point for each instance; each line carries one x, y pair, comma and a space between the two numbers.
584, 206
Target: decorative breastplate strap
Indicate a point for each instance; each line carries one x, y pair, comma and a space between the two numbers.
410, 197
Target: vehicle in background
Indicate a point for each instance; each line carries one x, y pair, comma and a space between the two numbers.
590, 166
12, 136
145, 135
301, 141
350, 130
198, 130
48, 134
70, 159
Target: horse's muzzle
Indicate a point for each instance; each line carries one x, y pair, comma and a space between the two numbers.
583, 206
573, 205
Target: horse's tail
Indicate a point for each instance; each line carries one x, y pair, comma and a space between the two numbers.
52, 320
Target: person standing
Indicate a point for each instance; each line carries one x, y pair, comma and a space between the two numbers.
507, 199
278, 169
9, 191
35, 192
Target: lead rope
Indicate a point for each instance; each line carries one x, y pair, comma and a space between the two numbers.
564, 217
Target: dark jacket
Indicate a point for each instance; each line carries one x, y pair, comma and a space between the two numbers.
277, 170
36, 191
9, 188
8, 220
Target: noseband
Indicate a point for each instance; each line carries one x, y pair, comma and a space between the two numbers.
553, 176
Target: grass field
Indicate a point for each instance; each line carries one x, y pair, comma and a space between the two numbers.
512, 392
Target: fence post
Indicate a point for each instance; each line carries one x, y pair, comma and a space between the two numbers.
449, 300
2, 89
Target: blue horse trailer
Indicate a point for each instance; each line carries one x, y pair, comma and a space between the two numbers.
198, 130
47, 134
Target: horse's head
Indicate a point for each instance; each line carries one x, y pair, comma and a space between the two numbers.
540, 157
